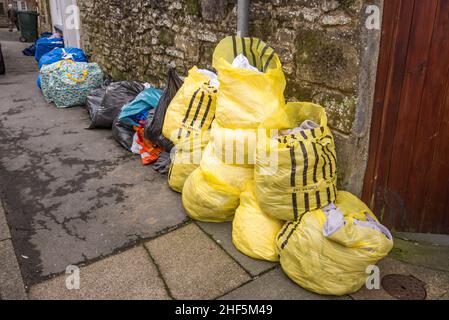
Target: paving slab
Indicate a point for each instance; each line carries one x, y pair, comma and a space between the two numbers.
10, 36
274, 285
194, 266
71, 194
222, 233
421, 253
4, 229
128, 275
437, 282
11, 283
429, 238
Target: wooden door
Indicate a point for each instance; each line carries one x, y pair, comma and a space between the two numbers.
407, 179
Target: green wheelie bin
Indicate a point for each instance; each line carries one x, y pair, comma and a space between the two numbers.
28, 25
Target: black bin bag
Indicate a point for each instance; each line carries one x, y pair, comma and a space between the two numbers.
2, 62
94, 100
153, 127
123, 133
113, 97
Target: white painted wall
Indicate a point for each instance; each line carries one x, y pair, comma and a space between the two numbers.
65, 16
55, 12
22, 5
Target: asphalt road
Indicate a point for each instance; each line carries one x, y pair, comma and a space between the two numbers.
71, 195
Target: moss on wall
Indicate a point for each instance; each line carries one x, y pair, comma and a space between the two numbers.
330, 59
193, 7
166, 37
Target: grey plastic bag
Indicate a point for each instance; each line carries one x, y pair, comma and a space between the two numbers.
94, 100
162, 164
123, 133
115, 96
2, 62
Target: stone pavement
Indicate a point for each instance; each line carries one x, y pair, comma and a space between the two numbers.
11, 284
70, 195
73, 197
189, 263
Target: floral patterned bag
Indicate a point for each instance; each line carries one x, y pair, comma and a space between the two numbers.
67, 83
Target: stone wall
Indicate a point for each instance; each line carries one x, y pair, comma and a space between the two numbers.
45, 16
327, 54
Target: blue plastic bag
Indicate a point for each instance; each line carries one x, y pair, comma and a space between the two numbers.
59, 54
45, 35
138, 108
45, 45
31, 50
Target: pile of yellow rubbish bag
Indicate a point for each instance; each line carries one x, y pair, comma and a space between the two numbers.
243, 154
186, 123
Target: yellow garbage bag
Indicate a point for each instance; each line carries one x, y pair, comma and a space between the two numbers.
186, 157
207, 199
327, 251
296, 173
248, 98
233, 175
211, 193
193, 107
254, 232
234, 146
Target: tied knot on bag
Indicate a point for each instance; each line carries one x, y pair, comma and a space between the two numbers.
67, 56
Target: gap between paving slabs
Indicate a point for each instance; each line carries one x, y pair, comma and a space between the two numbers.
273, 280
11, 282
194, 266
127, 275
221, 233
118, 251
55, 287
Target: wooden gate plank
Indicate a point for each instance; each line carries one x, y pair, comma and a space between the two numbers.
390, 104
443, 157
440, 171
391, 12
427, 181
407, 120
434, 215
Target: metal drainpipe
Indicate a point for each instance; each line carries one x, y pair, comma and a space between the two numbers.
242, 18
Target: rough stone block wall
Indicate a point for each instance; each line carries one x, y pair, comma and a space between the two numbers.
44, 16
321, 43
